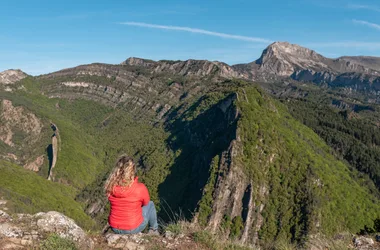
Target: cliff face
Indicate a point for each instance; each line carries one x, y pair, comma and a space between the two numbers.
21, 133
150, 89
270, 180
370, 62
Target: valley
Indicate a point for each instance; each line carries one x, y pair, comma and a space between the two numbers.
282, 149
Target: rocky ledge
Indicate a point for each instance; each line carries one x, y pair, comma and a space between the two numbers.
24, 231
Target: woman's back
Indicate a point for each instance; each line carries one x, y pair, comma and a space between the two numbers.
126, 205
131, 208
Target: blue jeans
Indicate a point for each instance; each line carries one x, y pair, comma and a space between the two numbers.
150, 216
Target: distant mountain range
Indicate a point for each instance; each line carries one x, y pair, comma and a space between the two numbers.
279, 61
282, 60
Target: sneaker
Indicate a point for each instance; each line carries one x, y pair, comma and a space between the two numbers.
153, 232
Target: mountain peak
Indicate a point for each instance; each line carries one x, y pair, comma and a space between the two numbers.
11, 76
293, 49
283, 58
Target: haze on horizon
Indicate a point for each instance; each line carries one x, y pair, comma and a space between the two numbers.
44, 36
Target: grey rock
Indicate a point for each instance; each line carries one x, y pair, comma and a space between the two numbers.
362, 242
130, 242
169, 235
54, 222
4, 216
25, 230
10, 231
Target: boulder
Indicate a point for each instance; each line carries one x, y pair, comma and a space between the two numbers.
54, 222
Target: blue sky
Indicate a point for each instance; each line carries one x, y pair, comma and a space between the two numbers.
44, 36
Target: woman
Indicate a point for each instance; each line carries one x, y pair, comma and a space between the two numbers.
131, 208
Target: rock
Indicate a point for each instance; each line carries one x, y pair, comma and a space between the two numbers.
169, 235
130, 242
4, 215
362, 242
26, 230
11, 76
377, 237
36, 164
54, 222
10, 231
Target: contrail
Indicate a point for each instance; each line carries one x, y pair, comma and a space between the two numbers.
199, 31
372, 25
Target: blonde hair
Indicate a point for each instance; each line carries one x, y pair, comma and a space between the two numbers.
122, 175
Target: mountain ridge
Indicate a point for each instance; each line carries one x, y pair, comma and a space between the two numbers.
279, 61
282, 60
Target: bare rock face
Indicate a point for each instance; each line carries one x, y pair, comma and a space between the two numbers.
283, 59
17, 117
11, 76
36, 164
186, 68
134, 61
370, 62
25, 231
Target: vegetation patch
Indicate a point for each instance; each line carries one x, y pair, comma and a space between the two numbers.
55, 242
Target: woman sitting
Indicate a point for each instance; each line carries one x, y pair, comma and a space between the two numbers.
131, 208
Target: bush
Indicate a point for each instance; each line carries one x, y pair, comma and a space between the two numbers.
55, 242
377, 225
236, 227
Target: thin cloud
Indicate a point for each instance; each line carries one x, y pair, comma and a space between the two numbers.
371, 25
363, 7
198, 31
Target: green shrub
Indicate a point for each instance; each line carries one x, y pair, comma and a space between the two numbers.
206, 239
55, 242
377, 225
226, 222
174, 228
205, 206
236, 227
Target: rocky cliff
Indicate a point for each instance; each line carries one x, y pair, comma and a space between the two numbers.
11, 76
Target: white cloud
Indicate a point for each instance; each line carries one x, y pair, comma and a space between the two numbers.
199, 31
371, 25
363, 7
